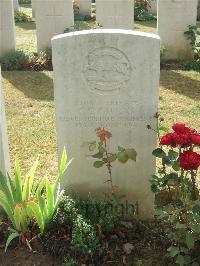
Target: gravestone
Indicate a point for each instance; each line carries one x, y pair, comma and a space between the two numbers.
108, 79
7, 30
4, 151
52, 18
174, 17
16, 5
33, 8
84, 7
115, 14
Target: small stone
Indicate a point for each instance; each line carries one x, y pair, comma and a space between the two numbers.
128, 248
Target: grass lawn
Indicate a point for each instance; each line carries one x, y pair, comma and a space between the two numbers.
30, 107
31, 119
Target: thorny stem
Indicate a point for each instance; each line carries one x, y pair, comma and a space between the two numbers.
193, 175
109, 166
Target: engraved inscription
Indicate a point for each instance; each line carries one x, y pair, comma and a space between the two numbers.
107, 70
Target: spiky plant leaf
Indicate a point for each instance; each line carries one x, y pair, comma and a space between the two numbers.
27, 188
4, 187
18, 182
10, 239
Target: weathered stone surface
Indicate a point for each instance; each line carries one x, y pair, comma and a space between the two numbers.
174, 17
33, 8
52, 18
108, 79
115, 14
4, 151
16, 5
7, 30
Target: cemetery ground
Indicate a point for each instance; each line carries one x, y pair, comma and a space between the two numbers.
31, 130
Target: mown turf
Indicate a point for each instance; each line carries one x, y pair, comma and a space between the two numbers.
31, 119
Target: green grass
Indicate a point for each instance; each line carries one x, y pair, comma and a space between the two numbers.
31, 117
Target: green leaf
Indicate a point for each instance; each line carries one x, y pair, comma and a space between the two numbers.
159, 153
165, 129
132, 154
196, 209
7, 207
63, 162
174, 176
39, 197
166, 161
173, 155
122, 156
27, 188
49, 198
63, 167
180, 226
4, 187
10, 239
195, 228
98, 155
98, 164
92, 146
121, 148
189, 240
112, 157
36, 212
154, 188
176, 166
180, 260
173, 251
18, 182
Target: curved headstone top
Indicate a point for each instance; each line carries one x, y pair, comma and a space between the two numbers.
110, 31
108, 79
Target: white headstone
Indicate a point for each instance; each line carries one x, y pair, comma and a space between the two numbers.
115, 14
109, 79
7, 27
33, 8
174, 17
84, 7
16, 5
52, 18
4, 151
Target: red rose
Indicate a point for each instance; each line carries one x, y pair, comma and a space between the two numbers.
103, 134
189, 160
181, 128
168, 140
183, 139
195, 139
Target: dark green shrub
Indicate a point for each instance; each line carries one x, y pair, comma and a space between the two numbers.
192, 65
21, 17
24, 2
79, 235
141, 11
22, 60
16, 60
97, 212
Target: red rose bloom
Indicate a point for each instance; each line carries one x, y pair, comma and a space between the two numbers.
195, 139
180, 128
183, 139
103, 134
168, 140
189, 160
